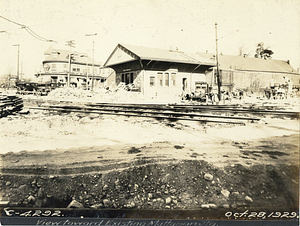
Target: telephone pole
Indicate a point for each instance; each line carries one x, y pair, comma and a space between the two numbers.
70, 43
217, 59
93, 66
93, 59
18, 73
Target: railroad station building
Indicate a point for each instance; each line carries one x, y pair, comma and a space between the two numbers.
158, 72
56, 67
251, 74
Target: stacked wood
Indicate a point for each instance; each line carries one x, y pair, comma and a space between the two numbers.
10, 104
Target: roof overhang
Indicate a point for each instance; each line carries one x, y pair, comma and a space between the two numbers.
133, 56
73, 62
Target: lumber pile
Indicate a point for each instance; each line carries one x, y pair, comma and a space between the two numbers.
10, 104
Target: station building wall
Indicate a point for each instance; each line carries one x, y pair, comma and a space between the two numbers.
159, 83
255, 82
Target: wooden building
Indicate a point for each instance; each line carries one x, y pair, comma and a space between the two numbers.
251, 74
56, 68
158, 72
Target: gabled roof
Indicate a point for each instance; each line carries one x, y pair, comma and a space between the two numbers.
146, 53
227, 62
63, 56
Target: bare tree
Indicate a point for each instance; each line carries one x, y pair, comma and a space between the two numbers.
4, 80
243, 51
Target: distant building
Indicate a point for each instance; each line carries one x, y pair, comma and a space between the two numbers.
56, 67
251, 74
157, 71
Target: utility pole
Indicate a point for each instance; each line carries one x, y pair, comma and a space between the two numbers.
93, 59
87, 76
21, 71
70, 43
217, 59
93, 66
86, 66
18, 73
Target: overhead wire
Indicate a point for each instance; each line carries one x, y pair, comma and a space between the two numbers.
77, 15
29, 31
246, 26
164, 24
27, 28
32, 33
126, 5
12, 21
237, 30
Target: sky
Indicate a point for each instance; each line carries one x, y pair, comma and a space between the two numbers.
188, 25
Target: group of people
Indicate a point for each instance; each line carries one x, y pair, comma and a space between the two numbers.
280, 91
213, 97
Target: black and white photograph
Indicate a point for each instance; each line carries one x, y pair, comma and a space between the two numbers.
149, 112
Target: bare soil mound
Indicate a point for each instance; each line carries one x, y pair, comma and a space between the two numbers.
187, 184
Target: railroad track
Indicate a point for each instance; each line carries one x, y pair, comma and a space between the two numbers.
233, 109
156, 112
213, 109
234, 114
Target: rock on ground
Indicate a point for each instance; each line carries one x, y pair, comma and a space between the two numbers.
75, 204
208, 177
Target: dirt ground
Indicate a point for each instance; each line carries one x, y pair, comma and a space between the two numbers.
115, 162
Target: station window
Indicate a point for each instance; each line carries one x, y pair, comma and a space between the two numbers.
160, 78
127, 78
173, 80
152, 81
131, 78
167, 79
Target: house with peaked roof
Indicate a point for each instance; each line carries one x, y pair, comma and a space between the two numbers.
56, 68
158, 72
251, 74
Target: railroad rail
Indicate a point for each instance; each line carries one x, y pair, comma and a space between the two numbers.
158, 112
235, 114
229, 109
